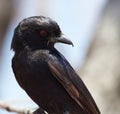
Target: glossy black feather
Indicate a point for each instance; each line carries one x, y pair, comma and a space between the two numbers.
45, 75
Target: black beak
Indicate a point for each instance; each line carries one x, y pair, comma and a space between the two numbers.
63, 40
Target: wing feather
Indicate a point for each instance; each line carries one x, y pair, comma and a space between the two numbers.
72, 83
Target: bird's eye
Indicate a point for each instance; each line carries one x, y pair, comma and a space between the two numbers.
43, 33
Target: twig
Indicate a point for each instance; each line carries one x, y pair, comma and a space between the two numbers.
16, 109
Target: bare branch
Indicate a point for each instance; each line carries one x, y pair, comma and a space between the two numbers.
16, 109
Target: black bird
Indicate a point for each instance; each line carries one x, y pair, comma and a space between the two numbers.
44, 73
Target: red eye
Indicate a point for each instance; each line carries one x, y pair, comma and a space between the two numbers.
43, 33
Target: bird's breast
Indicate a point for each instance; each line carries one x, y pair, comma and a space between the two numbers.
33, 74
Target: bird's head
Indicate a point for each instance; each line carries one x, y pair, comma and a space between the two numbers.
37, 32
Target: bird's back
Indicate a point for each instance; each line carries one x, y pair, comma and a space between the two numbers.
41, 85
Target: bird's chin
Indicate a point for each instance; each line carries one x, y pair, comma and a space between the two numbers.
50, 43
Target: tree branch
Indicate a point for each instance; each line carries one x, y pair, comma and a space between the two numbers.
18, 110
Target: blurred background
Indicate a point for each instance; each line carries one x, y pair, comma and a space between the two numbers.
92, 25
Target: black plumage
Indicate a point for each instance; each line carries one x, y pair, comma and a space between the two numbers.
44, 73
